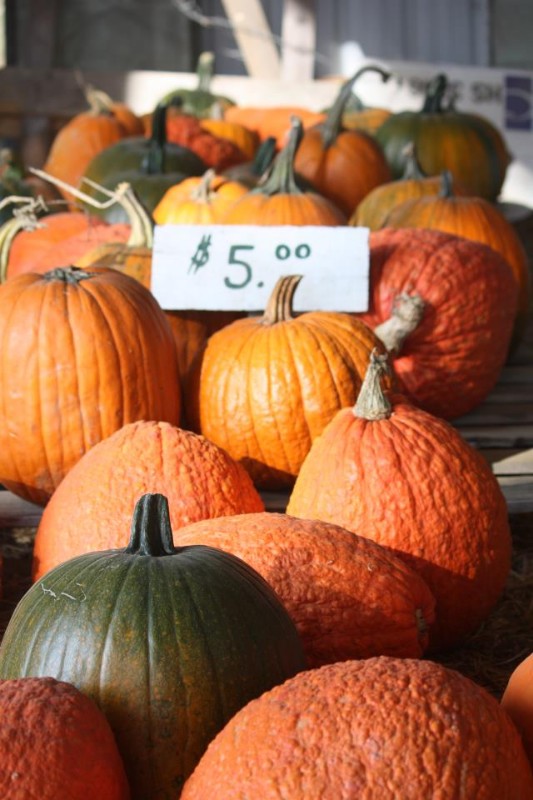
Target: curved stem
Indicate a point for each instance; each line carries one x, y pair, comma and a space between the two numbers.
412, 169
281, 179
435, 92
139, 218
407, 313
372, 403
279, 306
330, 129
99, 102
151, 532
202, 192
8, 231
264, 156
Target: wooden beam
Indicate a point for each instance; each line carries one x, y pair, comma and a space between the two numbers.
253, 35
298, 34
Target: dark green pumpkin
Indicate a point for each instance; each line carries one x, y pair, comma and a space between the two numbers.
468, 145
151, 165
169, 642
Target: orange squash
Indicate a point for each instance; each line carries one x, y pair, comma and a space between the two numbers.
406, 479
56, 744
379, 728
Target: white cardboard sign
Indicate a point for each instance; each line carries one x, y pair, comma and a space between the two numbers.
235, 267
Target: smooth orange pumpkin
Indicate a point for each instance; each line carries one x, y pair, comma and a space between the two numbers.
517, 700
379, 728
83, 353
199, 201
272, 121
348, 597
388, 470
92, 508
56, 744
267, 385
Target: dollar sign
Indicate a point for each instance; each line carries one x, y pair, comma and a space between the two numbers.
201, 256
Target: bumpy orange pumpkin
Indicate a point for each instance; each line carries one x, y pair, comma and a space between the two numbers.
380, 729
407, 480
348, 597
83, 353
202, 201
56, 744
445, 308
246, 140
266, 386
92, 508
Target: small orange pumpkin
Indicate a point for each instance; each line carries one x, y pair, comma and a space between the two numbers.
517, 700
199, 201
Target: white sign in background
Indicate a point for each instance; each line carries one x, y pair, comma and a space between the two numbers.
235, 267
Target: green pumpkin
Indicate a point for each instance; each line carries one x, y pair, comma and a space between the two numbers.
169, 642
467, 145
151, 165
199, 101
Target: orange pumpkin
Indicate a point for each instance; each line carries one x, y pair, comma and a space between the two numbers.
246, 140
347, 596
39, 758
83, 353
198, 201
517, 700
343, 165
266, 386
279, 201
93, 507
272, 121
389, 471
387, 728
186, 130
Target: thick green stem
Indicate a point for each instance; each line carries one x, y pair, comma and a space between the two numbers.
412, 169
153, 162
435, 92
281, 179
372, 403
151, 532
279, 306
331, 128
446, 185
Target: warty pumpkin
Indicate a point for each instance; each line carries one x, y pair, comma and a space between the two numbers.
169, 642
56, 744
343, 165
387, 470
92, 507
379, 728
83, 353
187, 131
267, 385
348, 597
444, 307
245, 139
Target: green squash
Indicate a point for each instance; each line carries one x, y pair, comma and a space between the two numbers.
169, 642
200, 101
468, 145
151, 165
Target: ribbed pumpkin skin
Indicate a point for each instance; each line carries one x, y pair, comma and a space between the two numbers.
264, 392
199, 479
106, 357
453, 359
377, 729
169, 648
375, 209
412, 484
180, 204
56, 744
307, 208
347, 596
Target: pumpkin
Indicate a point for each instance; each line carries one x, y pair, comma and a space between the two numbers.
88, 133
169, 642
358, 116
272, 121
343, 165
444, 307
56, 744
267, 385
198, 201
279, 200
250, 173
517, 700
200, 99
476, 219
149, 164
466, 144
346, 595
83, 353
245, 139
387, 728
199, 478
406, 479
187, 131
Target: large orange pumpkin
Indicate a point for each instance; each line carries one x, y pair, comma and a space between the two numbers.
83, 353
348, 597
266, 386
517, 700
380, 729
388, 470
56, 744
444, 306
92, 508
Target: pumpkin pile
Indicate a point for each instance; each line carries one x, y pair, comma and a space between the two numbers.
195, 644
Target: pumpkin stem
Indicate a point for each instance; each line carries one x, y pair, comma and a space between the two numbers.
139, 218
446, 187
281, 178
153, 163
435, 91
264, 156
331, 128
204, 70
151, 532
407, 311
372, 403
279, 306
99, 102
412, 169
202, 193
67, 274
24, 219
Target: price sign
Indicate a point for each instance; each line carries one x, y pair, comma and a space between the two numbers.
235, 267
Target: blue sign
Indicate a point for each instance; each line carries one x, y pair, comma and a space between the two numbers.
518, 98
